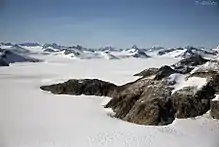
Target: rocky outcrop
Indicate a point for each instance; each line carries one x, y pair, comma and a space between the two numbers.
184, 66
188, 103
70, 51
54, 45
159, 73
188, 64
150, 101
213, 84
165, 51
85, 86
147, 72
140, 54
201, 74
145, 101
152, 107
215, 109
164, 72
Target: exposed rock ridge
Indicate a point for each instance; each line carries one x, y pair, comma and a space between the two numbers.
151, 101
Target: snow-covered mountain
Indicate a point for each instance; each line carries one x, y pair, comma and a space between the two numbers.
8, 56
135, 52
54, 45
29, 44
107, 52
107, 49
181, 52
191, 51
216, 49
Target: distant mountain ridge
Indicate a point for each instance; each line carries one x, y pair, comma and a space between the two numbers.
9, 56
107, 52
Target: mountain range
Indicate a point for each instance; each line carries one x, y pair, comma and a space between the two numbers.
10, 53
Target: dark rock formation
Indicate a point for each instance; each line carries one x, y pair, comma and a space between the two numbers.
85, 86
159, 73
192, 61
54, 45
188, 103
147, 72
213, 84
214, 109
186, 65
49, 50
163, 72
150, 101
153, 107
71, 51
163, 52
127, 96
140, 54
207, 74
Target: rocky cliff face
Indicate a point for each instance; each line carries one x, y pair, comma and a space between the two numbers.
155, 100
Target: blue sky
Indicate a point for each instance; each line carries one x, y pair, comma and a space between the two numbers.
121, 23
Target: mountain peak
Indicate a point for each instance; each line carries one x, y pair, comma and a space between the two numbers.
28, 44
134, 46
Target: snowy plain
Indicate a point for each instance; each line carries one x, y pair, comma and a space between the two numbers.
30, 117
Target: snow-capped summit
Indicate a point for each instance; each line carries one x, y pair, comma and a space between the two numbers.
136, 52
78, 47
185, 52
29, 44
134, 46
216, 49
54, 45
6, 44
8, 56
107, 49
155, 48
19, 49
107, 56
70, 51
15, 48
51, 48
91, 53
154, 51
192, 51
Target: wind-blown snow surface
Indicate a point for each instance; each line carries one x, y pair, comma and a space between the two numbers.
30, 117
